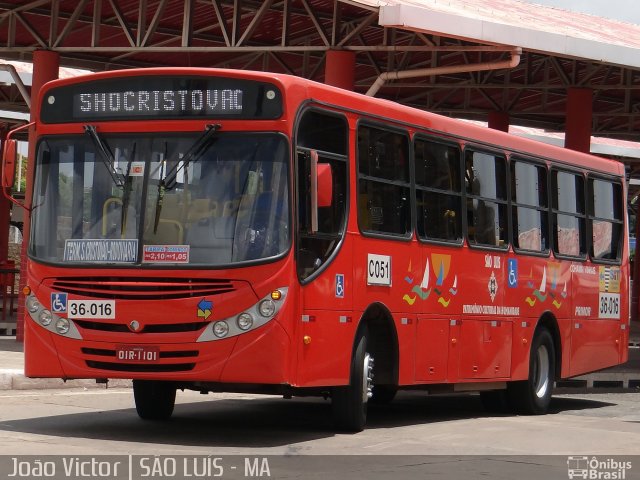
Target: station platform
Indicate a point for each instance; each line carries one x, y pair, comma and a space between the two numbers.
621, 377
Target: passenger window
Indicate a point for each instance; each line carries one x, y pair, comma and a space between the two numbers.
605, 219
486, 187
383, 181
569, 232
438, 190
530, 210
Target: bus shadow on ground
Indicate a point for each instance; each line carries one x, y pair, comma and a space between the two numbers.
266, 423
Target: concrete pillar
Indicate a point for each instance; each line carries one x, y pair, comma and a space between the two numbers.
499, 121
339, 69
579, 115
45, 68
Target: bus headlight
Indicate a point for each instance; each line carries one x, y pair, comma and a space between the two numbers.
62, 326
220, 329
45, 317
32, 304
267, 308
244, 321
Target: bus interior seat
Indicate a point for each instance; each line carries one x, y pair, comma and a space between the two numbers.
169, 232
202, 208
112, 218
230, 208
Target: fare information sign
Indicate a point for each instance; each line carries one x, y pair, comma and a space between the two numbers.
155, 97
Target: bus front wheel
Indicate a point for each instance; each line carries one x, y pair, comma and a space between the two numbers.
154, 400
349, 403
532, 396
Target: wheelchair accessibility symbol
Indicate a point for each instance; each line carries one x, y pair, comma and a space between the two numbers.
513, 272
339, 285
59, 302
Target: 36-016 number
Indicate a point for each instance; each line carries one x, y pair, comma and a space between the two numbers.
92, 309
609, 306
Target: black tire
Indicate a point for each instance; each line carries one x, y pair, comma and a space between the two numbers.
154, 400
349, 403
383, 394
532, 396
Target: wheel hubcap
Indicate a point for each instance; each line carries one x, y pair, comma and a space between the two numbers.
367, 378
541, 372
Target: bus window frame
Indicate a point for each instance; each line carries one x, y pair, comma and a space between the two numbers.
421, 136
366, 122
496, 152
589, 219
538, 163
554, 211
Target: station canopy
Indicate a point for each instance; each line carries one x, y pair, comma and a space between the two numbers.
560, 49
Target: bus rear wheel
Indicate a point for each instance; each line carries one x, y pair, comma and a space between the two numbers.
533, 396
154, 399
349, 403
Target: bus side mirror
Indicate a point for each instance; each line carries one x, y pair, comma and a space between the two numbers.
325, 185
9, 160
9, 156
321, 188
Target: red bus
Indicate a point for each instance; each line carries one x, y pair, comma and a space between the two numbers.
222, 230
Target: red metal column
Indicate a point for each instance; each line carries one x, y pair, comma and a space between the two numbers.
5, 217
499, 121
340, 69
579, 114
635, 272
45, 68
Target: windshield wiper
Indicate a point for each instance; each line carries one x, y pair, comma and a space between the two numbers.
169, 181
105, 154
197, 148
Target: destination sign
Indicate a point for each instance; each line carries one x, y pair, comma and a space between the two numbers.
100, 250
208, 102
155, 97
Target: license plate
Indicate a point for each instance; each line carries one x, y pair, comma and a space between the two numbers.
80, 309
137, 353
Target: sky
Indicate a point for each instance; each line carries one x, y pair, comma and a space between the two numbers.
625, 10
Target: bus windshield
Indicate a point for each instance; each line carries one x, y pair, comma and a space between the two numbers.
154, 202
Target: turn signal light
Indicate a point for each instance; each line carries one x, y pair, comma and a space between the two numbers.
26, 290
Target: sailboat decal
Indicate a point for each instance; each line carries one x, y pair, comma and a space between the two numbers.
440, 275
425, 279
454, 288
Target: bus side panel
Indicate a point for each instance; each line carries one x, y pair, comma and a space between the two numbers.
432, 348
521, 340
326, 347
594, 345
595, 333
406, 327
327, 323
485, 349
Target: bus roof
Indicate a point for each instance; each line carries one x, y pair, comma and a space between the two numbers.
384, 110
